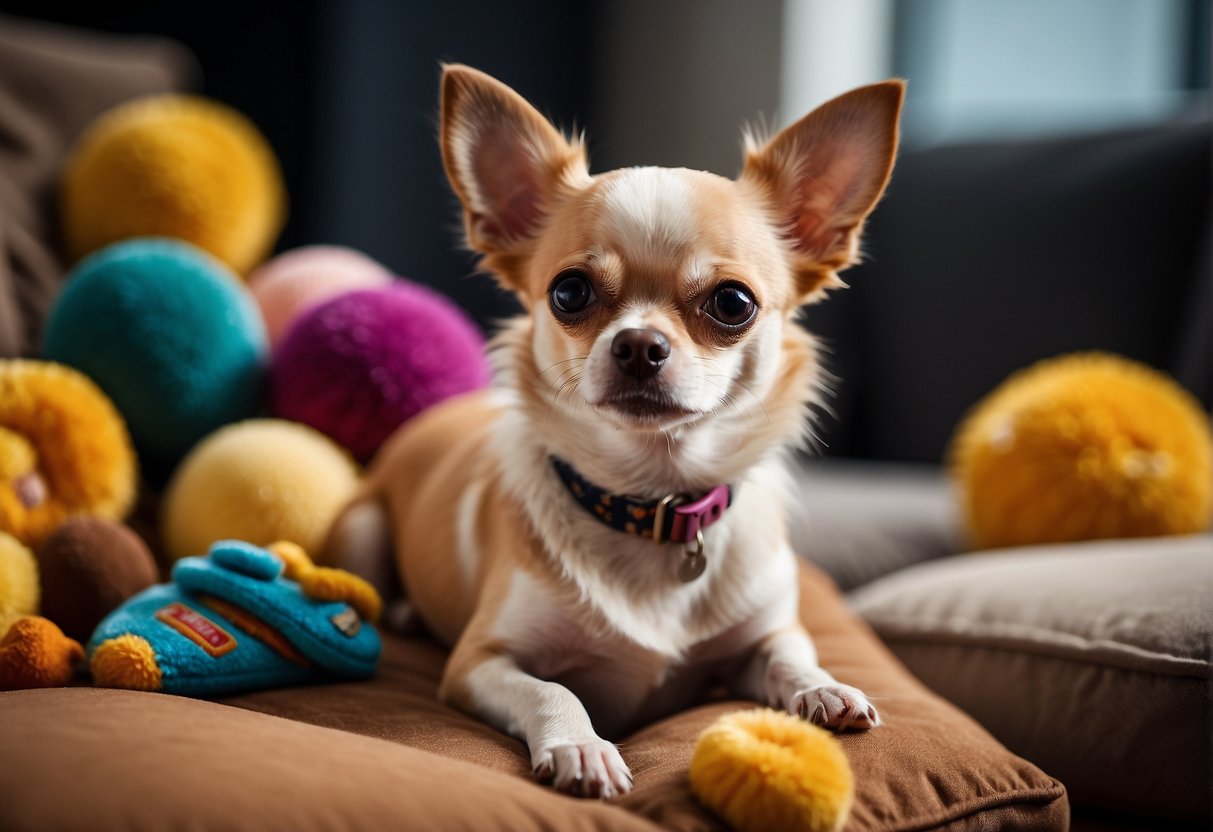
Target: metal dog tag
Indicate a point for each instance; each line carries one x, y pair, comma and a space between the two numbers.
693, 562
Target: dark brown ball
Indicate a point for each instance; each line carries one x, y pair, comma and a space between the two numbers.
88, 566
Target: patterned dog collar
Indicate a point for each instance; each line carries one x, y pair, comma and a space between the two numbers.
675, 518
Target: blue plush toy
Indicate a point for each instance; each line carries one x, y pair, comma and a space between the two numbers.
239, 619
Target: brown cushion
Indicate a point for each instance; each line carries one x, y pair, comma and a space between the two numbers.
109, 759
928, 767
53, 82
1094, 660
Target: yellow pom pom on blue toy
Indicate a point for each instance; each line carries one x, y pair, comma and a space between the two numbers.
1080, 447
764, 769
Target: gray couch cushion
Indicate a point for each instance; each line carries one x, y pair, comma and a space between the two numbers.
861, 520
1093, 660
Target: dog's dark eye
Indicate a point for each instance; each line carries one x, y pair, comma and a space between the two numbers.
731, 305
571, 292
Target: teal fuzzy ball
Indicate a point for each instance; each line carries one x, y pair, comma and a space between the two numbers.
170, 334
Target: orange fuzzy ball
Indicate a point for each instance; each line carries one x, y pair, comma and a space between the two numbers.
765, 769
174, 166
1082, 447
64, 450
34, 653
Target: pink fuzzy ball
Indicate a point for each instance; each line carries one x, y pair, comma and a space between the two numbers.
296, 280
359, 365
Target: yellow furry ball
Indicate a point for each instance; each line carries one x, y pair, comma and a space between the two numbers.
64, 451
261, 480
19, 585
1080, 447
765, 769
174, 166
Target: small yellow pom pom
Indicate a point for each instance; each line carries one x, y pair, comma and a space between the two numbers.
327, 584
126, 662
765, 770
1083, 447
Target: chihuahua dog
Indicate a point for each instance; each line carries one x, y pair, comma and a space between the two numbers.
601, 536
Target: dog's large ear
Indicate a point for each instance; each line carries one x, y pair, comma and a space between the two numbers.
824, 174
505, 161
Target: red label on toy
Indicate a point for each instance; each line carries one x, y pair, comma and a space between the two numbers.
194, 625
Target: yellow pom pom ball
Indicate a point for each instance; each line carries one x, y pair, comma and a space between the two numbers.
174, 166
18, 581
261, 480
764, 769
1080, 447
64, 450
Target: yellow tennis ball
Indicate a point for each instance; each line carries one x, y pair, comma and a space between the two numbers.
174, 166
262, 481
1084, 446
765, 769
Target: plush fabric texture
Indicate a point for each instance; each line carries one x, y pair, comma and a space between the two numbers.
1081, 447
34, 653
861, 520
170, 335
18, 581
1092, 660
174, 166
295, 281
264, 632
928, 767
764, 769
53, 82
64, 450
88, 566
260, 480
359, 365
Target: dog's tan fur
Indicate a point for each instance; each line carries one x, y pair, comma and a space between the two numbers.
562, 628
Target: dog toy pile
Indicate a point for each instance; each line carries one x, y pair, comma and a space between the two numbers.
764, 769
240, 618
174, 166
1081, 447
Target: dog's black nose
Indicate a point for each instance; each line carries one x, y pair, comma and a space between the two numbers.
640, 352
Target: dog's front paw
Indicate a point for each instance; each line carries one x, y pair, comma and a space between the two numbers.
587, 768
837, 707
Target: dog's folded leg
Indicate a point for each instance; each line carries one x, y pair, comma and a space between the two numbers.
565, 750
784, 672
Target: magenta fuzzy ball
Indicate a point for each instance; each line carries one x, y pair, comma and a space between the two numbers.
357, 366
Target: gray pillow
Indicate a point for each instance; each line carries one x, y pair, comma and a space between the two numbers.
1091, 660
